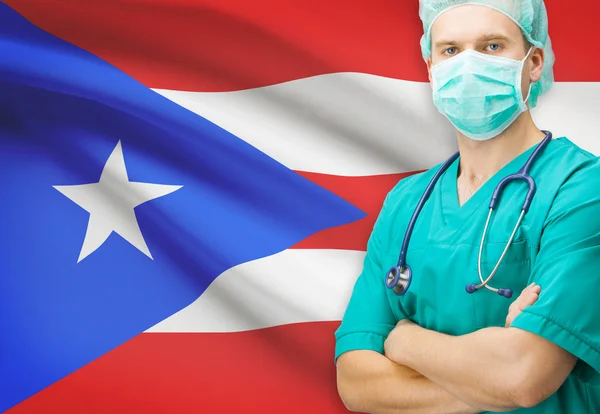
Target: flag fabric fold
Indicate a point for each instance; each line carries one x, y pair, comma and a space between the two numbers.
119, 207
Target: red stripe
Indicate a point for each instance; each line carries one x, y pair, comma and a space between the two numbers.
214, 45
287, 369
366, 193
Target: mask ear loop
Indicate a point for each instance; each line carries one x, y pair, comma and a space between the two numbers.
528, 94
521, 74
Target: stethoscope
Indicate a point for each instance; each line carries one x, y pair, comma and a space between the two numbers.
399, 277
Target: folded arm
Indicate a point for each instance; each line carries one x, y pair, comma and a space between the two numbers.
369, 382
495, 369
499, 369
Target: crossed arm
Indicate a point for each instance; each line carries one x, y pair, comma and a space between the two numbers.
422, 371
372, 383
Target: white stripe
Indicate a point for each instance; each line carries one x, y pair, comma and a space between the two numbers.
343, 124
357, 124
295, 285
571, 110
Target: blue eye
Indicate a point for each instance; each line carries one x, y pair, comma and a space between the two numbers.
450, 51
494, 47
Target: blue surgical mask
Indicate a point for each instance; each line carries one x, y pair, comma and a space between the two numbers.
480, 94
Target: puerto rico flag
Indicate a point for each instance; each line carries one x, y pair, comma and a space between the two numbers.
187, 189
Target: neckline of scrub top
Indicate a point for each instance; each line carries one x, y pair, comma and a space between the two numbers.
449, 188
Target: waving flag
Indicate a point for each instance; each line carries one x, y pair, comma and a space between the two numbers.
188, 187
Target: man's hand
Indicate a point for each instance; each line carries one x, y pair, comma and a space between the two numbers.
528, 297
398, 338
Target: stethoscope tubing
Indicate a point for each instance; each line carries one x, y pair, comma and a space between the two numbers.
399, 277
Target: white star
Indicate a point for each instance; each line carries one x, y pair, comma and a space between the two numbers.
110, 203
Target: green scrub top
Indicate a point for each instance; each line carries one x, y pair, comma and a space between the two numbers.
557, 246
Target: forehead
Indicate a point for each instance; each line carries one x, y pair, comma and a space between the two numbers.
466, 23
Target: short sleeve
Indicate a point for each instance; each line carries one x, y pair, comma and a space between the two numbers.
368, 318
567, 268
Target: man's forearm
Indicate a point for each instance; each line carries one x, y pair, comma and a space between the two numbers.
483, 368
370, 382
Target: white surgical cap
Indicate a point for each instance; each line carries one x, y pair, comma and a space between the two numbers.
529, 15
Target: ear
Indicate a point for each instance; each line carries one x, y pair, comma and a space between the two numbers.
428, 63
537, 64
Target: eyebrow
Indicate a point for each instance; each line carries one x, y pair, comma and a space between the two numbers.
485, 38
494, 36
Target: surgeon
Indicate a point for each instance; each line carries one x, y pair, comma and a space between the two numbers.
429, 331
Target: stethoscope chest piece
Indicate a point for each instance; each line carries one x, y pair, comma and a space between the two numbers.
399, 278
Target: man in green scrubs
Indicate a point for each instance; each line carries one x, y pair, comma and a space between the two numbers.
438, 348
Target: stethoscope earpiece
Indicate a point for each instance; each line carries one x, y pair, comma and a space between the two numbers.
471, 288
507, 293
